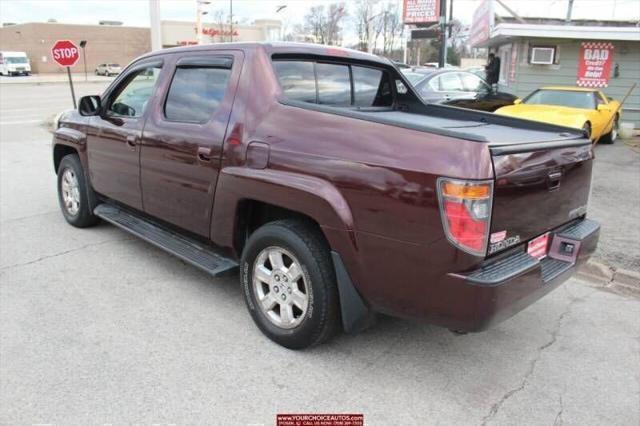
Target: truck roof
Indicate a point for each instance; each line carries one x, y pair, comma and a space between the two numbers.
279, 48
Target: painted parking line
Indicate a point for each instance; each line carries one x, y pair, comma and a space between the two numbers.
9, 123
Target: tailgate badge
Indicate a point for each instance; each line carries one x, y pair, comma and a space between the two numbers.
503, 244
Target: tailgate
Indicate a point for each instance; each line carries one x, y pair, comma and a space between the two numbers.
537, 188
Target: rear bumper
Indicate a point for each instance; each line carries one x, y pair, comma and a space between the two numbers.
502, 287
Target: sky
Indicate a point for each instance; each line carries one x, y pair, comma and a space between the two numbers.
136, 12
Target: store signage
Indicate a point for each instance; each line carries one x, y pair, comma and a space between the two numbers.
421, 11
594, 64
217, 32
481, 23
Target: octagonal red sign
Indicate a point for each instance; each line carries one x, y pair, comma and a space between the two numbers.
65, 53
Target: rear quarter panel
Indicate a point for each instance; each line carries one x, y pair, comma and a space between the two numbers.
386, 174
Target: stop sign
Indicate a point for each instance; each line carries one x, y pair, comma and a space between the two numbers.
65, 53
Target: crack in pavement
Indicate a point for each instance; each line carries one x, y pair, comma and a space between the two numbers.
16, 219
558, 420
62, 253
532, 364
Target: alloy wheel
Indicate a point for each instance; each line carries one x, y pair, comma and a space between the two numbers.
70, 192
281, 287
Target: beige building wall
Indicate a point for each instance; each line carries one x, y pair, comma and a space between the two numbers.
181, 33
105, 43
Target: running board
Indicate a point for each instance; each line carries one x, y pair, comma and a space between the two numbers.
187, 249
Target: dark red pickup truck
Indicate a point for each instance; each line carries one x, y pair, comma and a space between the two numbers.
337, 192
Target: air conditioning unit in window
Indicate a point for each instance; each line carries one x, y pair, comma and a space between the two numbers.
542, 55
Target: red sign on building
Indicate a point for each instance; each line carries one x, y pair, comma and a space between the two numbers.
421, 11
65, 53
594, 64
481, 23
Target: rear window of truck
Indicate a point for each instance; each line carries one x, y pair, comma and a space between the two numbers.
334, 84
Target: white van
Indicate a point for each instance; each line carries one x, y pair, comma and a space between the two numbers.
14, 63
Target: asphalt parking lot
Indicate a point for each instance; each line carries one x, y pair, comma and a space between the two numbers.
97, 327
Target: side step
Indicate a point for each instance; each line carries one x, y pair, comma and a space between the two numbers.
189, 250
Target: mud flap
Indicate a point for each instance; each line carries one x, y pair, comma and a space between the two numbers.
356, 314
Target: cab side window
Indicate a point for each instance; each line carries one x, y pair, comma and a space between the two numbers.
132, 97
196, 93
334, 84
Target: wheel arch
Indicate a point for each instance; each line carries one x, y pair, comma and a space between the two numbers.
67, 141
248, 197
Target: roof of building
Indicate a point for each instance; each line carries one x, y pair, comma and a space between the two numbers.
507, 29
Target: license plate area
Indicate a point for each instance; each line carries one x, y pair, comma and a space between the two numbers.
538, 246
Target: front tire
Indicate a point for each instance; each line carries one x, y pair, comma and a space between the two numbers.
611, 137
289, 284
75, 195
586, 130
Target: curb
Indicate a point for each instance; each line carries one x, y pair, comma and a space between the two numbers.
624, 279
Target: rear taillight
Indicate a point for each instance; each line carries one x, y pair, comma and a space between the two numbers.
465, 207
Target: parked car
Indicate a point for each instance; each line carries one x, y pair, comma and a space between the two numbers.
321, 176
437, 65
14, 63
458, 88
479, 71
417, 74
108, 69
581, 108
400, 65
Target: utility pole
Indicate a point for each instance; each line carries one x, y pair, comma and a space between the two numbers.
569, 10
198, 24
442, 57
83, 45
231, 19
199, 14
405, 42
154, 21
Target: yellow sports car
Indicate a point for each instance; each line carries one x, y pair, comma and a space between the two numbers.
581, 108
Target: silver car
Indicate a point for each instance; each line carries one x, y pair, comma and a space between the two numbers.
108, 69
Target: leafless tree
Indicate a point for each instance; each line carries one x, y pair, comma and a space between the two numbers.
324, 24
392, 27
364, 15
220, 20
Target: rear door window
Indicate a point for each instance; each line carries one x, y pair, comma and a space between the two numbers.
297, 80
371, 87
196, 93
450, 82
473, 83
334, 84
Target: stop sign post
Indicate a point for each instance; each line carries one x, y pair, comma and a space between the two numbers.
65, 53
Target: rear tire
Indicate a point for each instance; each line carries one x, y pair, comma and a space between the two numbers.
611, 137
75, 195
294, 300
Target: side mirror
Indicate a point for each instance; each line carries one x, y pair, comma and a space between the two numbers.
517, 101
603, 107
89, 105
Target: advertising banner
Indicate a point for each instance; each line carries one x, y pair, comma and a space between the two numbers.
421, 11
594, 64
481, 24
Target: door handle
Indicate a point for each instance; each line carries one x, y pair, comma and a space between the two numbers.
131, 141
204, 154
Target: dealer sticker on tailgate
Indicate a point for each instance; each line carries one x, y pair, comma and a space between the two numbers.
538, 246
